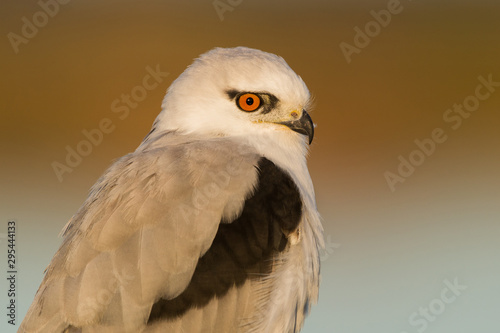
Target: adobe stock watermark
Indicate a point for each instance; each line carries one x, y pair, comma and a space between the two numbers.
121, 107
223, 6
38, 20
329, 249
425, 315
454, 117
362, 37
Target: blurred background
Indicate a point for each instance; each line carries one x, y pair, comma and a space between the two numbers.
409, 248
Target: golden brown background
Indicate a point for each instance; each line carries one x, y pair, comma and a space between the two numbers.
388, 253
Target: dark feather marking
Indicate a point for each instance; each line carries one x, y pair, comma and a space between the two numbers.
232, 93
269, 100
273, 101
241, 250
148, 136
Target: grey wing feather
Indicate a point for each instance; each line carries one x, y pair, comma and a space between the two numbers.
139, 235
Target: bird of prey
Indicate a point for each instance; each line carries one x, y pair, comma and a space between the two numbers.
210, 225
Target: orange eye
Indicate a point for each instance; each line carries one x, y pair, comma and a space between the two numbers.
249, 102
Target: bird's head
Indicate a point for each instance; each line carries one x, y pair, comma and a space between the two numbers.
240, 92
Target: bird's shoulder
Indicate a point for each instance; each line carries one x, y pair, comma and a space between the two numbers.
166, 199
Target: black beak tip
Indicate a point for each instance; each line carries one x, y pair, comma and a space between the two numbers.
304, 125
309, 127
311, 136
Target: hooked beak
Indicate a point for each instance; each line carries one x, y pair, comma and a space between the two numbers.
304, 125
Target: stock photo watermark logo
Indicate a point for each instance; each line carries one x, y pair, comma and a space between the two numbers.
11, 270
329, 249
222, 7
119, 106
30, 26
425, 315
453, 116
363, 36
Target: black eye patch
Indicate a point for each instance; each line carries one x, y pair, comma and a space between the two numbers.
269, 100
